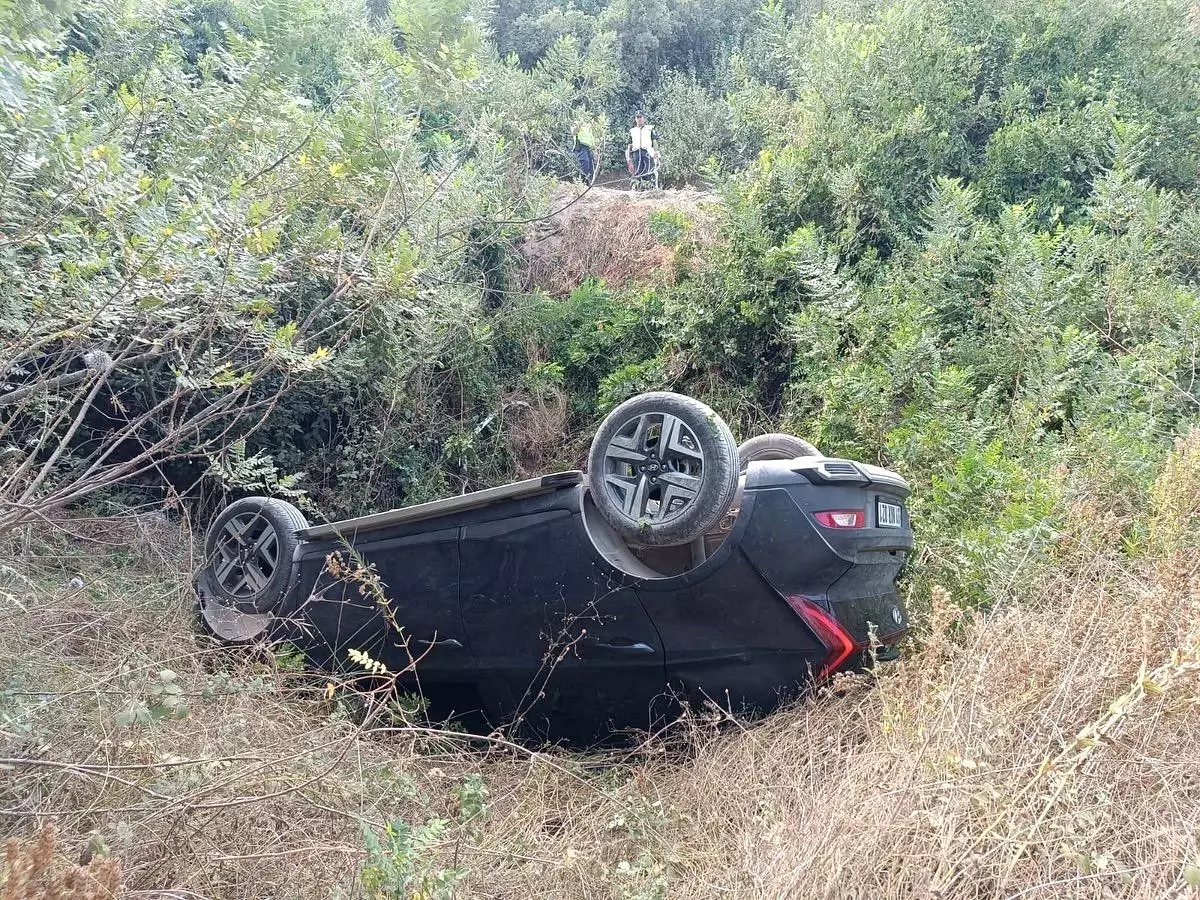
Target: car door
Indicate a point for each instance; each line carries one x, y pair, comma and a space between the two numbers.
408, 619
569, 651
420, 579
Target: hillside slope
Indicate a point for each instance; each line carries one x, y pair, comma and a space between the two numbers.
611, 234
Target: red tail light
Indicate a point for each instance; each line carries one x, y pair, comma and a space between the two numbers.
838, 642
842, 518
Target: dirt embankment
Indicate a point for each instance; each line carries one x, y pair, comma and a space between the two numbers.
607, 233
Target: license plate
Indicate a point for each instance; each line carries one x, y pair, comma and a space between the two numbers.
887, 515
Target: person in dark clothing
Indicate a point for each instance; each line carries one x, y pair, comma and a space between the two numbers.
585, 149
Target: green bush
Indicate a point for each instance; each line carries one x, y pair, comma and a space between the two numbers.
956, 239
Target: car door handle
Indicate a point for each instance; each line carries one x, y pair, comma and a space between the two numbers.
625, 648
448, 643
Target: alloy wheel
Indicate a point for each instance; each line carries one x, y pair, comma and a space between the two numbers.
653, 467
247, 555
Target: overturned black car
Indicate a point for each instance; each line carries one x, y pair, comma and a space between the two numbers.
681, 567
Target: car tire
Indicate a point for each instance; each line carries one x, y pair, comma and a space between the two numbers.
774, 446
249, 554
658, 494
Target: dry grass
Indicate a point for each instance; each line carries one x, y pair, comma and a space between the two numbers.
604, 233
1049, 748
31, 872
537, 430
536, 424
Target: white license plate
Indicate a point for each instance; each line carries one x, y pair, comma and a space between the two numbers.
887, 515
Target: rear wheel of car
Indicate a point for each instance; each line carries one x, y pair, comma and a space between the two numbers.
248, 554
663, 469
774, 446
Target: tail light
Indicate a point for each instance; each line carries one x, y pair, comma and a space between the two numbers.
840, 646
842, 518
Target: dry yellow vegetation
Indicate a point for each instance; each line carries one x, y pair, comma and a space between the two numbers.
1049, 747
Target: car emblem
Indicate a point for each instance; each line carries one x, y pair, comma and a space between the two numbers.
897, 616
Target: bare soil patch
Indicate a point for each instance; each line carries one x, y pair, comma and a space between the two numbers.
605, 233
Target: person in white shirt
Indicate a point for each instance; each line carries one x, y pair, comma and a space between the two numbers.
641, 152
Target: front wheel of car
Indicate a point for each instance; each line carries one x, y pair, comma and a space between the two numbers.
663, 469
248, 554
774, 446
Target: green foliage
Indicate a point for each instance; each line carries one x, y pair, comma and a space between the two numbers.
397, 865
611, 58
599, 340
1024, 97
668, 226
472, 797
642, 879
441, 44
629, 380
163, 699
695, 128
289, 658
402, 862
234, 219
257, 474
541, 378
957, 239
991, 352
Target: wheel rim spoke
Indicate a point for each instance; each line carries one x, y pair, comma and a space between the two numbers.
630, 447
248, 555
617, 451
678, 441
653, 467
632, 493
236, 529
253, 578
228, 563
266, 549
682, 484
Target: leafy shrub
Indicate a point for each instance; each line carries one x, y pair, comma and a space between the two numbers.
694, 128
401, 863
590, 336
668, 226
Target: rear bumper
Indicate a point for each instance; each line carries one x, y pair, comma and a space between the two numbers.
881, 618
865, 598
851, 572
